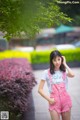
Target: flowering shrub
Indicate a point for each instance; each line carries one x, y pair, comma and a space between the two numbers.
16, 83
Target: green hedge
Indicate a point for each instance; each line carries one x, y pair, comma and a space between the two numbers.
71, 55
38, 57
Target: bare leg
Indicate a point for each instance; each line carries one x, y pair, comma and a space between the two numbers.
54, 115
66, 115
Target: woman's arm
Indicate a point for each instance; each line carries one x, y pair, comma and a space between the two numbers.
41, 92
70, 72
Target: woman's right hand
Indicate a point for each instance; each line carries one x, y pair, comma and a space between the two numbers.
52, 101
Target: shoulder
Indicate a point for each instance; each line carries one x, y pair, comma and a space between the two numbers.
45, 71
64, 75
44, 74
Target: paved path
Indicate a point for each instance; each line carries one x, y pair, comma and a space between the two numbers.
41, 105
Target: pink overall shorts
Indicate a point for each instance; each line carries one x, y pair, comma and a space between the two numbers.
62, 99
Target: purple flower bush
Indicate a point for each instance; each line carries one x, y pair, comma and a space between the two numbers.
16, 83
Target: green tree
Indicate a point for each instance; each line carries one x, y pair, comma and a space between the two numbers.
29, 16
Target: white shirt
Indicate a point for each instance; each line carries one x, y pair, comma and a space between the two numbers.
56, 78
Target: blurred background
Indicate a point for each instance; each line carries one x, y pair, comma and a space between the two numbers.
31, 30
25, 29
62, 37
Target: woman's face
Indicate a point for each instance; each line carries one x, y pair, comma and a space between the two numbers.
57, 62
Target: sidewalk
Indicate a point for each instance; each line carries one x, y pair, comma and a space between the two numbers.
41, 105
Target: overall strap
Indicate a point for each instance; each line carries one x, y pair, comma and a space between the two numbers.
64, 75
51, 79
49, 74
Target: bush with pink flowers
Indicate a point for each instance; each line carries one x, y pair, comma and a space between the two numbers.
16, 83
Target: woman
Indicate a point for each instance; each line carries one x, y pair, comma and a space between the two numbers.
56, 77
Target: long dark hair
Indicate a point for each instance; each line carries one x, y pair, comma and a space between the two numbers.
53, 55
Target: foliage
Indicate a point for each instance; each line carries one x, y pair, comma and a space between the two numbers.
28, 16
16, 83
39, 57
14, 54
